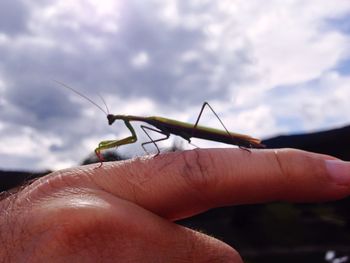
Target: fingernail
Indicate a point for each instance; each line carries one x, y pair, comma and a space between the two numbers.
339, 171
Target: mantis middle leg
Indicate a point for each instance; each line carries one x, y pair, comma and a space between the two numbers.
166, 134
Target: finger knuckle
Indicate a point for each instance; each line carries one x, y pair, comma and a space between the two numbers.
299, 169
198, 170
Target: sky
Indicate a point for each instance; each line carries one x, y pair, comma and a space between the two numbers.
281, 67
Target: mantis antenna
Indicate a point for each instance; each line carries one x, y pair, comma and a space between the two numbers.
104, 102
85, 97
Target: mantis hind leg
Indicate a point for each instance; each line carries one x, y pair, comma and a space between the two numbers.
166, 134
244, 148
217, 116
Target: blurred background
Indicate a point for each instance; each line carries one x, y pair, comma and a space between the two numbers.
271, 68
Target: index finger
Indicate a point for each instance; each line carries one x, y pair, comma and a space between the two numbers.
180, 184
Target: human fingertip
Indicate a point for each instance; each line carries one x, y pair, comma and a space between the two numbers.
223, 254
215, 250
232, 256
339, 171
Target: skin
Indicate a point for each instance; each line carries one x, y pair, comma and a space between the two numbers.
124, 211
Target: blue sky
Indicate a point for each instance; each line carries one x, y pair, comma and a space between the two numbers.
280, 67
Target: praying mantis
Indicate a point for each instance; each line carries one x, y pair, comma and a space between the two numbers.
167, 127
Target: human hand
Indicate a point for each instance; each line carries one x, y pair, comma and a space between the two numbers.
123, 211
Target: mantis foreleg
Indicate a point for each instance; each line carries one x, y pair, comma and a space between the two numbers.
104, 145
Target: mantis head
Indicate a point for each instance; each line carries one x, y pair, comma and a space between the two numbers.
110, 118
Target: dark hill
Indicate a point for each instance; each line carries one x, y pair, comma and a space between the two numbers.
334, 142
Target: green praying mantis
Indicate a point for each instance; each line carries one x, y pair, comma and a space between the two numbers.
166, 127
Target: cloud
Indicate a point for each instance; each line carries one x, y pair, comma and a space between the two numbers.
13, 17
268, 68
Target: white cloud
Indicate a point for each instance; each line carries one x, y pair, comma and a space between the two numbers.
140, 60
